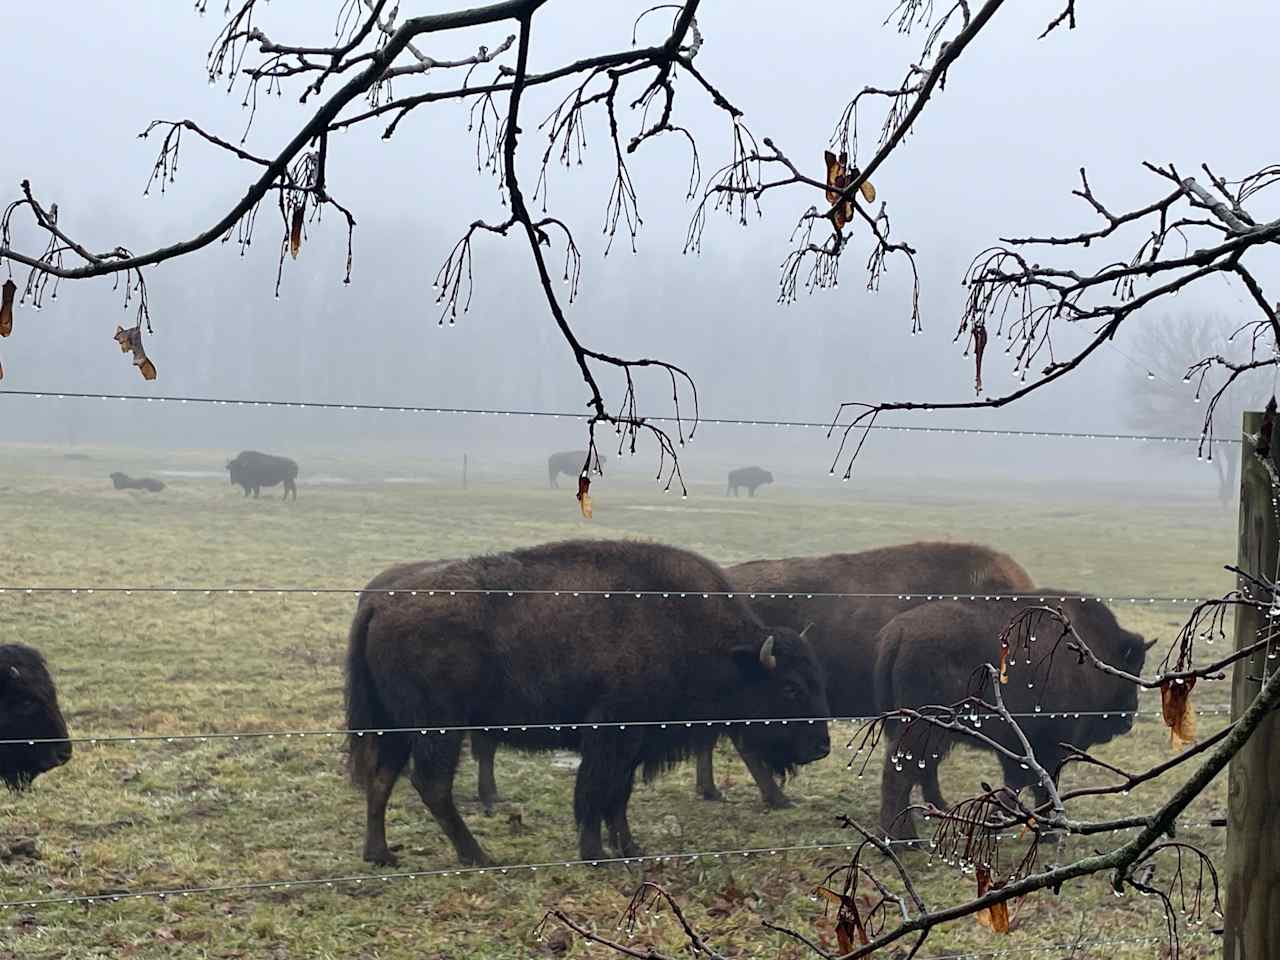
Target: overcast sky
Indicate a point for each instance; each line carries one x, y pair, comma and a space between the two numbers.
997, 153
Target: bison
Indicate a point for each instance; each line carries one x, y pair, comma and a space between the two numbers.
122, 481
932, 655
842, 630
569, 462
253, 470
29, 711
445, 659
749, 477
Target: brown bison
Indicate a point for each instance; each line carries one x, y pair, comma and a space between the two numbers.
465, 659
749, 477
843, 630
568, 462
28, 712
253, 471
934, 654
122, 481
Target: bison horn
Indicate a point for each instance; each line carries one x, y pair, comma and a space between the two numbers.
806, 629
1149, 644
767, 659
13, 672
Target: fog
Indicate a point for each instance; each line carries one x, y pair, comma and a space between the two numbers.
996, 154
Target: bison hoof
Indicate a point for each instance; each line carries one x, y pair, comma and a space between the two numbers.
710, 793
382, 858
477, 859
779, 802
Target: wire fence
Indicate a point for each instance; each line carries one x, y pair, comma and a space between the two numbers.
566, 415
607, 593
359, 879
972, 717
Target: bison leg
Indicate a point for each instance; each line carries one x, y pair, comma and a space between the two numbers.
770, 792
706, 782
932, 788
896, 821
435, 761
620, 835
482, 750
751, 491
393, 754
603, 787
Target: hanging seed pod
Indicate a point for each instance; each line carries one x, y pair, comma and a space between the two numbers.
7, 292
295, 231
979, 345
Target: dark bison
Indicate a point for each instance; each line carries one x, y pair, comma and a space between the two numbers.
843, 630
929, 656
122, 481
253, 470
749, 477
28, 711
470, 659
569, 462
483, 748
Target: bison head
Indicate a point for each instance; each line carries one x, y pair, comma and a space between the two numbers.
233, 467
1112, 697
118, 479
781, 680
28, 711
768, 477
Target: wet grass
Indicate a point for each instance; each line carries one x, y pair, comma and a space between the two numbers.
161, 815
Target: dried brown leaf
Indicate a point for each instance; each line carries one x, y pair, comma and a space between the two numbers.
1175, 706
7, 291
868, 191
131, 342
584, 498
1004, 660
837, 179
848, 921
996, 916
295, 231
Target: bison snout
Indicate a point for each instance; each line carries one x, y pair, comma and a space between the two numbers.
61, 755
818, 748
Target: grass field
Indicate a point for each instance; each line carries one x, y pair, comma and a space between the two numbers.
168, 815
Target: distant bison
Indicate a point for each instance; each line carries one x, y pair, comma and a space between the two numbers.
122, 481
929, 655
569, 462
749, 477
253, 470
28, 711
467, 659
843, 630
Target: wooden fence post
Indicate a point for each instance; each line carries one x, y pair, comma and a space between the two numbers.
1251, 925
464, 471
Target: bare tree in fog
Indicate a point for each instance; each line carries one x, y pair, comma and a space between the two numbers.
1164, 399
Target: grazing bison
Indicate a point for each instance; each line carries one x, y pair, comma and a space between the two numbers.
253, 470
122, 481
749, 477
569, 462
28, 711
842, 630
441, 660
930, 655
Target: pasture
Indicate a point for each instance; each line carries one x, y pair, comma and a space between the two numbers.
159, 815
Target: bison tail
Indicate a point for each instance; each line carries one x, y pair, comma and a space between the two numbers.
364, 711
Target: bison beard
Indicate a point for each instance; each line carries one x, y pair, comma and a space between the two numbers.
931, 655
28, 711
472, 660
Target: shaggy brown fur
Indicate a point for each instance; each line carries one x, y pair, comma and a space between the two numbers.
28, 711
468, 659
843, 630
933, 654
